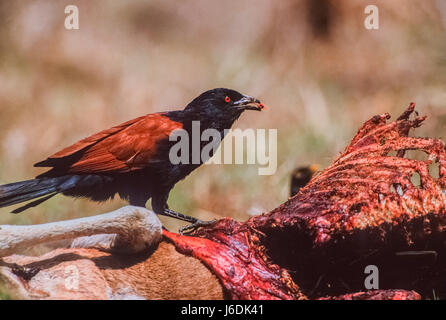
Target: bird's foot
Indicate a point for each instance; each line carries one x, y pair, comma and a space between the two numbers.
195, 223
194, 226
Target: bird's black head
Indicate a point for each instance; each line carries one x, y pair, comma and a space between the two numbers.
222, 105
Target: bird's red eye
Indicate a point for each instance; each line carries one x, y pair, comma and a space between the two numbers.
227, 99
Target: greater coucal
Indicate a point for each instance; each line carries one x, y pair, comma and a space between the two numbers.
131, 159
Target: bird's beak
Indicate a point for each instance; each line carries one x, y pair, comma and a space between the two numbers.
249, 103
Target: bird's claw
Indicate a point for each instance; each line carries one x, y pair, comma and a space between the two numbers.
194, 226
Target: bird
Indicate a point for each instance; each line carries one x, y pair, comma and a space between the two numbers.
131, 159
301, 176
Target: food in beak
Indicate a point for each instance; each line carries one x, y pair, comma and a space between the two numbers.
253, 104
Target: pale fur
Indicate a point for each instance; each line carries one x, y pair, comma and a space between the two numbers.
117, 255
161, 274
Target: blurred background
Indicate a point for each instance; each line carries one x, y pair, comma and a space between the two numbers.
313, 63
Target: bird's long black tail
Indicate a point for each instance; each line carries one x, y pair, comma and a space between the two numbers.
40, 189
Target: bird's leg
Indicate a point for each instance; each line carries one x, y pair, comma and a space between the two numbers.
159, 205
173, 214
195, 223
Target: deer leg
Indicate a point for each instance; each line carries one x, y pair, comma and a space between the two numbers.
128, 230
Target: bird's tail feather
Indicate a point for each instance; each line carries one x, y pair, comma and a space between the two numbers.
42, 189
